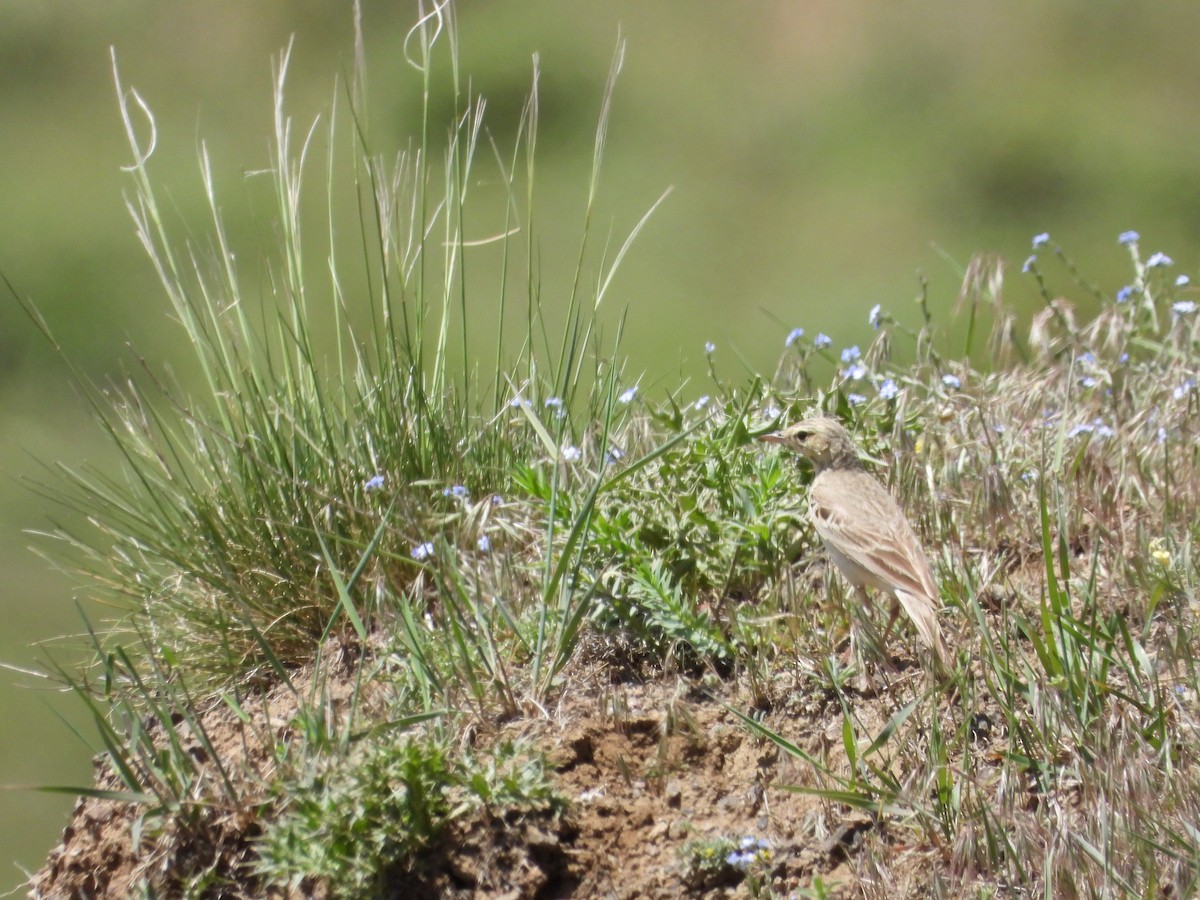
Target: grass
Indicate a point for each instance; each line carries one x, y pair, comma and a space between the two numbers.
355, 554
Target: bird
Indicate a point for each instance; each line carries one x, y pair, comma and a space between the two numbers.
863, 528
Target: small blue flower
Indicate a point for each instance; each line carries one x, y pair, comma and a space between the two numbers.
518, 401
709, 348
553, 403
1088, 381
850, 354
771, 411
1182, 281
1081, 428
1123, 358
951, 381
703, 402
794, 335
822, 340
459, 492
628, 395
1158, 260
1102, 430
1041, 240
1128, 237
374, 483
875, 316
856, 372
422, 551
855, 399
1125, 293
888, 389
1028, 264
1183, 307
614, 454
1162, 435
1184, 389
484, 544
738, 859
571, 453
497, 500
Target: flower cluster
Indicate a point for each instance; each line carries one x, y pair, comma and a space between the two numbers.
1096, 427
750, 850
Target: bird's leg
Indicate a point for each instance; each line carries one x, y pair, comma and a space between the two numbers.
887, 632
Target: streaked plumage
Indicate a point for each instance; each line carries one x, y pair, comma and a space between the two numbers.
863, 528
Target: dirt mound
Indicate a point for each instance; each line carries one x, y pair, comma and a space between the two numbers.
660, 777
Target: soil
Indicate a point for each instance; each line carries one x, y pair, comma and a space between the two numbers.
654, 772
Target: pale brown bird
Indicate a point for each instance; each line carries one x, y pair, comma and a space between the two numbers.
863, 528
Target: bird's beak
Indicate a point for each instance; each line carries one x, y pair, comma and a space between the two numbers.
773, 437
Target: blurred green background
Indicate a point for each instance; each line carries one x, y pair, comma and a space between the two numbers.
819, 153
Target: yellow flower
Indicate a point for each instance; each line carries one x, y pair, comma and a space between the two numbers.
1159, 553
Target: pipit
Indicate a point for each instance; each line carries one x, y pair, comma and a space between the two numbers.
863, 528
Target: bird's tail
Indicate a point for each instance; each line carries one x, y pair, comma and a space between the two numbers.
923, 613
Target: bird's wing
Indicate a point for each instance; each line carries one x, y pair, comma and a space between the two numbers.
859, 519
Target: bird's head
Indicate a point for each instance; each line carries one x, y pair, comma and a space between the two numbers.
821, 440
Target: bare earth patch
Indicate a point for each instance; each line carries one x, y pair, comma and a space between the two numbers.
653, 773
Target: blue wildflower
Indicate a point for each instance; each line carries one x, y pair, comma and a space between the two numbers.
628, 395
822, 340
1028, 264
422, 551
374, 483
571, 453
1182, 281
709, 348
794, 335
850, 354
1158, 260
702, 402
484, 544
856, 372
856, 399
875, 316
888, 389
1183, 307
459, 492
1041, 240
614, 454
1128, 237
1081, 428
951, 381
1125, 293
